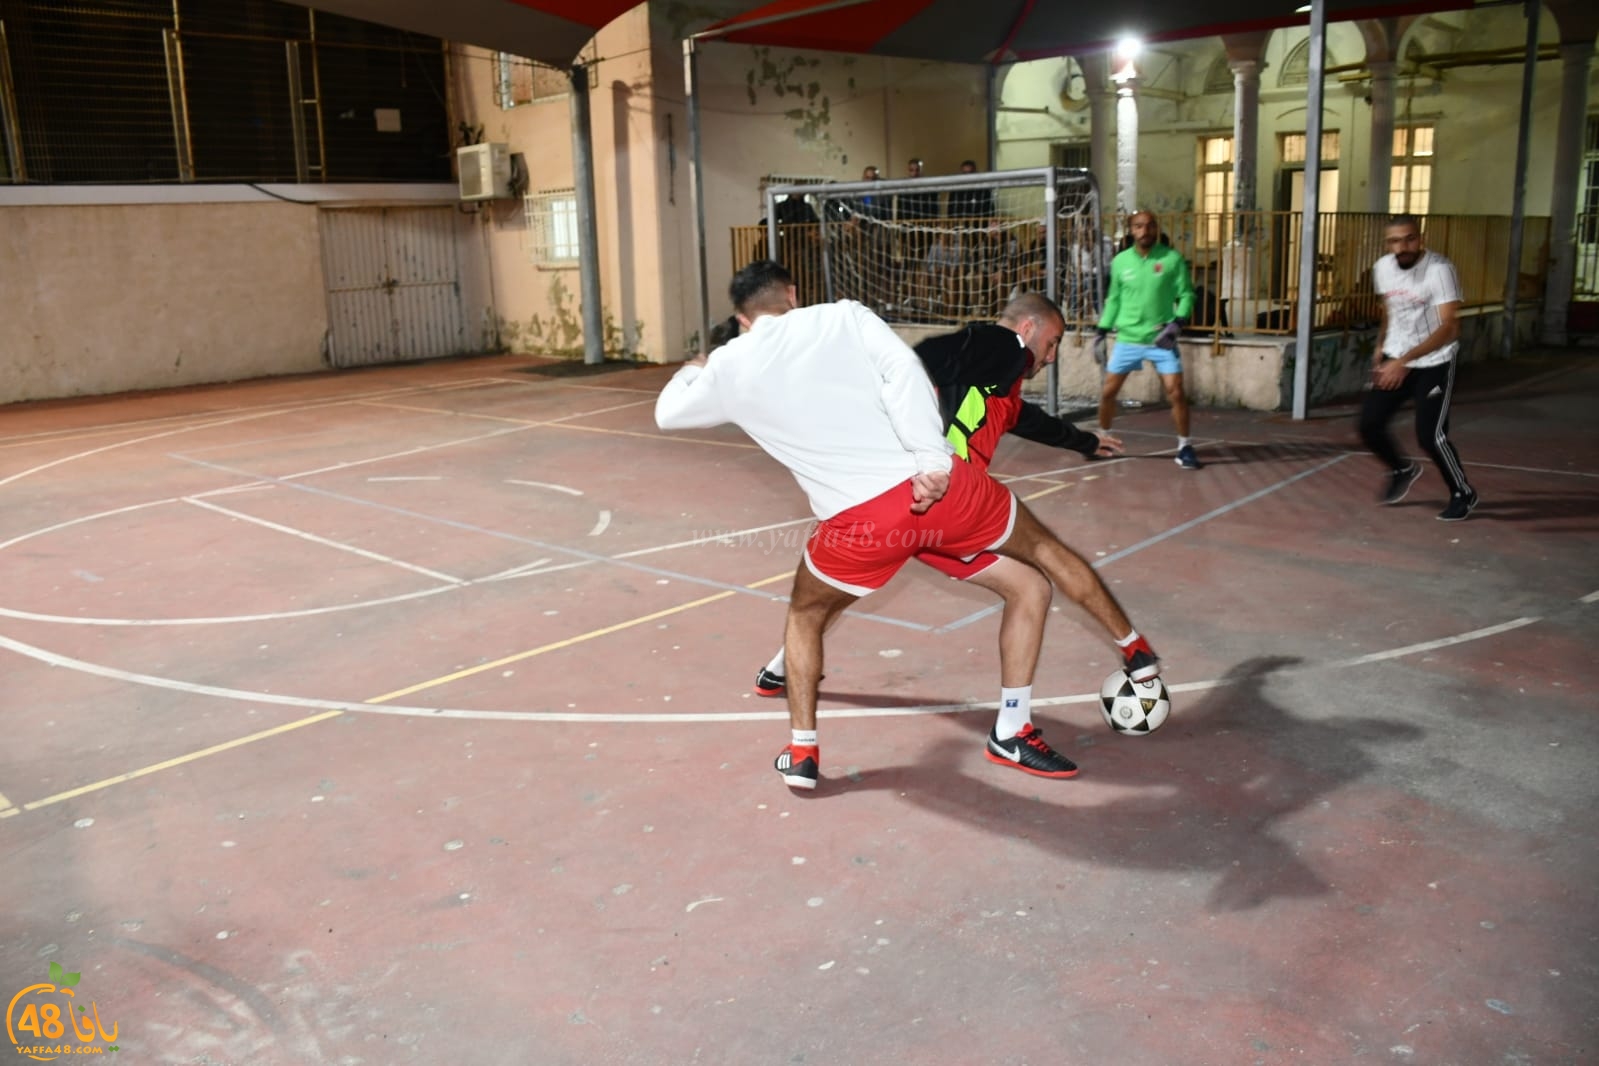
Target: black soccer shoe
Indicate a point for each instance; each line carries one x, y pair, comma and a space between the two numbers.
1027, 752
1399, 483
769, 684
800, 766
1461, 504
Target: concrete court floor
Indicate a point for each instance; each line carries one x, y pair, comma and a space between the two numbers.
403, 716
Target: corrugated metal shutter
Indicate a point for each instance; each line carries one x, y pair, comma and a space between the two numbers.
393, 283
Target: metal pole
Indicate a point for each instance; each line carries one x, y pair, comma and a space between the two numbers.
1052, 276
302, 172
993, 118
827, 260
588, 233
1310, 223
1518, 209
8, 113
696, 185
179, 102
771, 224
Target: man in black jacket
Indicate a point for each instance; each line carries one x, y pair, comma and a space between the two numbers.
978, 372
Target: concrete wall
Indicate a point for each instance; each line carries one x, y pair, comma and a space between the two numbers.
107, 298
1257, 373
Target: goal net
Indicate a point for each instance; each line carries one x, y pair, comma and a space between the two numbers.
945, 250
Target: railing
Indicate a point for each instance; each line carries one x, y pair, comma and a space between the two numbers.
1585, 279
1245, 266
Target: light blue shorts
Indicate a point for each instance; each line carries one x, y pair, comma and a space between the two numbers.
1125, 358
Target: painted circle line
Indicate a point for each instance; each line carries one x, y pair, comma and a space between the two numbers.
310, 703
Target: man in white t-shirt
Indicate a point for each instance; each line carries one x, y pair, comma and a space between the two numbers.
1415, 359
836, 397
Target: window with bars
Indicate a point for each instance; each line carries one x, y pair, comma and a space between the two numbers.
1588, 198
216, 90
552, 227
1213, 195
519, 81
1292, 146
1410, 181
1073, 155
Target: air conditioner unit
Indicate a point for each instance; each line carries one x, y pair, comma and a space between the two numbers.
485, 171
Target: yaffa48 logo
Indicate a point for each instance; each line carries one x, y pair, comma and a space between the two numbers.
43, 1027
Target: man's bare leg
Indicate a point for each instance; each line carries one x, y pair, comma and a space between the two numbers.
1178, 399
812, 607
1021, 627
1031, 542
1107, 398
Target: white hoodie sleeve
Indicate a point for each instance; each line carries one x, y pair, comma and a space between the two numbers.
690, 401
908, 395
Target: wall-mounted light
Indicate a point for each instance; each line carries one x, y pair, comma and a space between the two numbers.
1125, 52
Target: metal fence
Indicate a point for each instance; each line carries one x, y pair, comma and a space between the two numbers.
1585, 280
1247, 277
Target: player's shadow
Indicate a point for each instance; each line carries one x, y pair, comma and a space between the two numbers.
1287, 451
1204, 795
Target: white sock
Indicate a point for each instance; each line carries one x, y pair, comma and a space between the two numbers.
776, 665
804, 738
1183, 442
1015, 711
1128, 639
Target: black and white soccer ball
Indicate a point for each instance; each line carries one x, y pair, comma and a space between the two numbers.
1134, 708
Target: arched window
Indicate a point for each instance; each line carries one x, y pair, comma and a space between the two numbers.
1220, 77
1296, 68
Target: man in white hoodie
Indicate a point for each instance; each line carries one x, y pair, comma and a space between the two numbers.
836, 397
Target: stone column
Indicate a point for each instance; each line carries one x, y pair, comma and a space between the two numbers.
1101, 126
1246, 136
1126, 146
1380, 172
1575, 58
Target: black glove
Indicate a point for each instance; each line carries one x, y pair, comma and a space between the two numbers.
1101, 346
1167, 338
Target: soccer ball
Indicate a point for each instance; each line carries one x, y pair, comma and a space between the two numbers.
1134, 708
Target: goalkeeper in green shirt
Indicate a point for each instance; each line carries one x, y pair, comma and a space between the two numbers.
1149, 303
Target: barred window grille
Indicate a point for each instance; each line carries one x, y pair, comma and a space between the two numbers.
519, 81
216, 90
552, 227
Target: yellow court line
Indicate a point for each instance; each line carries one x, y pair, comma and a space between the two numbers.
1046, 492
567, 643
7, 810
180, 760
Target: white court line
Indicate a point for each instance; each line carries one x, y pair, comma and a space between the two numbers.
545, 485
1591, 597
731, 536
325, 542
207, 419
50, 658
588, 556
976, 616
652, 393
414, 477
519, 571
599, 526
1533, 469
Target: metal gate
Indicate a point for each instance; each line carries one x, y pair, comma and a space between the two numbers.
394, 289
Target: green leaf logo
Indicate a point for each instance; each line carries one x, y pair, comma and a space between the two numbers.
61, 977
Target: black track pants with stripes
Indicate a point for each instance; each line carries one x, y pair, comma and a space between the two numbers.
1431, 387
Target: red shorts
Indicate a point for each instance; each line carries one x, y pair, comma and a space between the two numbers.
859, 550
959, 569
